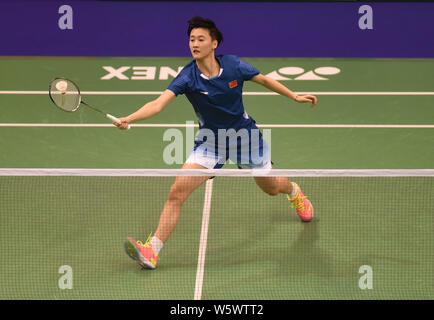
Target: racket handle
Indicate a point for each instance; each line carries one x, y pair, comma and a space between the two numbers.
114, 119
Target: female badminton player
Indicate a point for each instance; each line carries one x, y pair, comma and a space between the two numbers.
213, 85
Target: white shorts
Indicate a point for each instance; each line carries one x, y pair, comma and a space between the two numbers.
205, 155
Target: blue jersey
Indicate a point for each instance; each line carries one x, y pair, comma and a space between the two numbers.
217, 101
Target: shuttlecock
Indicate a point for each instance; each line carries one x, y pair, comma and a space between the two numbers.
61, 86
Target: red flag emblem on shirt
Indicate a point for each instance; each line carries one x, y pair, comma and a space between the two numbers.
233, 84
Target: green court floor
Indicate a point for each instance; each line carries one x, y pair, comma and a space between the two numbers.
257, 248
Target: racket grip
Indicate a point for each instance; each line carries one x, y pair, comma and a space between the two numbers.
114, 119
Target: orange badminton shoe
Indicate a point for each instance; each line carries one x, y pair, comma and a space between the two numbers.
141, 252
302, 205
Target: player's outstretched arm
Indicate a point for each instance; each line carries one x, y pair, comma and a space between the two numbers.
149, 110
279, 88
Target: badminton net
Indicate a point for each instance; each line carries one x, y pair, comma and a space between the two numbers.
371, 237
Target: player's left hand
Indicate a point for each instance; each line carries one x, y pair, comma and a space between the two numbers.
307, 98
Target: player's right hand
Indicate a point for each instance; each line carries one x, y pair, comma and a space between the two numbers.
123, 125
307, 98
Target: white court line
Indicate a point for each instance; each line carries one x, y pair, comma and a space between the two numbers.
86, 92
350, 93
203, 240
181, 125
83, 172
248, 93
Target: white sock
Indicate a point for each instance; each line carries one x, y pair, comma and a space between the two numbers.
156, 244
293, 194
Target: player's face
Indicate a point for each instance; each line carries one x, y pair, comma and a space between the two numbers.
201, 43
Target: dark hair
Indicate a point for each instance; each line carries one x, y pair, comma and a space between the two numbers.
199, 22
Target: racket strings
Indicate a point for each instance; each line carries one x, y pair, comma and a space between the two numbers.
65, 94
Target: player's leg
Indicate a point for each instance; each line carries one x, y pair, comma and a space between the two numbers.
181, 189
259, 158
146, 254
276, 185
